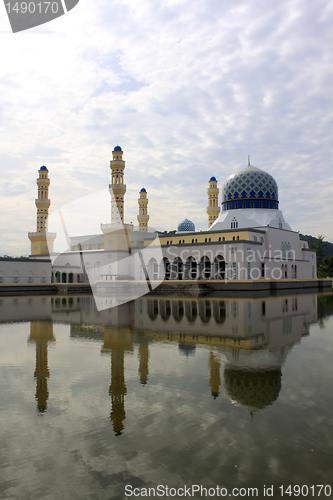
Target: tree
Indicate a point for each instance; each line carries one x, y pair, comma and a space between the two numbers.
319, 246
326, 267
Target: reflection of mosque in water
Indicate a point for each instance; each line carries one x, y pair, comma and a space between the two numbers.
250, 338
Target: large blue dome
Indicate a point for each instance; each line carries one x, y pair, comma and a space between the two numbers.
186, 225
250, 187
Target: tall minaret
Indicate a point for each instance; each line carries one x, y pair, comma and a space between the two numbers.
213, 208
143, 216
41, 239
117, 187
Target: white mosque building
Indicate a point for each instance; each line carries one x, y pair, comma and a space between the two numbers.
247, 239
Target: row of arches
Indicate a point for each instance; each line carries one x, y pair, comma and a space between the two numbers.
17, 278
188, 270
63, 277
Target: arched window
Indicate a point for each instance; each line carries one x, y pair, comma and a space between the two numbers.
219, 268
16, 277
234, 223
166, 264
87, 268
97, 271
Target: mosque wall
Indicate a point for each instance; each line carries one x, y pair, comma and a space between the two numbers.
22, 271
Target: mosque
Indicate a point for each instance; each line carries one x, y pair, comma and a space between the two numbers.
247, 238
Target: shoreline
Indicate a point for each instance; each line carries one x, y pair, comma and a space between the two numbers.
186, 287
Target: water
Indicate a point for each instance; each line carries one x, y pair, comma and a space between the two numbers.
227, 392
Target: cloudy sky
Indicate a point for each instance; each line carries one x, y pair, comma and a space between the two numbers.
188, 88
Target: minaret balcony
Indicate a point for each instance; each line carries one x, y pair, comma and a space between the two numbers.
213, 209
115, 186
43, 182
118, 226
43, 201
37, 233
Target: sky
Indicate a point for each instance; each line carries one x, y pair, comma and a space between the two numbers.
187, 88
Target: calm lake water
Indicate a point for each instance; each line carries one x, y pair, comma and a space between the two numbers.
176, 392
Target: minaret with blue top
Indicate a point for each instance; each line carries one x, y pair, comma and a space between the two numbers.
213, 208
117, 187
42, 240
143, 216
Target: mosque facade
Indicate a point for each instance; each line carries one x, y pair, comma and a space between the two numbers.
247, 237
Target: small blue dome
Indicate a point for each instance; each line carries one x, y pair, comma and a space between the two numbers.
117, 148
143, 190
186, 225
213, 179
43, 168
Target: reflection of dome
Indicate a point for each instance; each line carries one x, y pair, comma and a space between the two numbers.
187, 349
213, 179
117, 148
143, 190
186, 225
250, 184
43, 168
254, 389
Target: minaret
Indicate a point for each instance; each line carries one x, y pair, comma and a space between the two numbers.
213, 208
117, 187
143, 216
41, 239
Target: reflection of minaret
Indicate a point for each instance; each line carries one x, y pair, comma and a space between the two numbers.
117, 340
214, 379
41, 332
143, 362
117, 390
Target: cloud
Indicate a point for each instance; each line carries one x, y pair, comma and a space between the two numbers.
188, 89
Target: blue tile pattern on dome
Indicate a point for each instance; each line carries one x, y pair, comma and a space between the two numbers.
250, 183
186, 225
